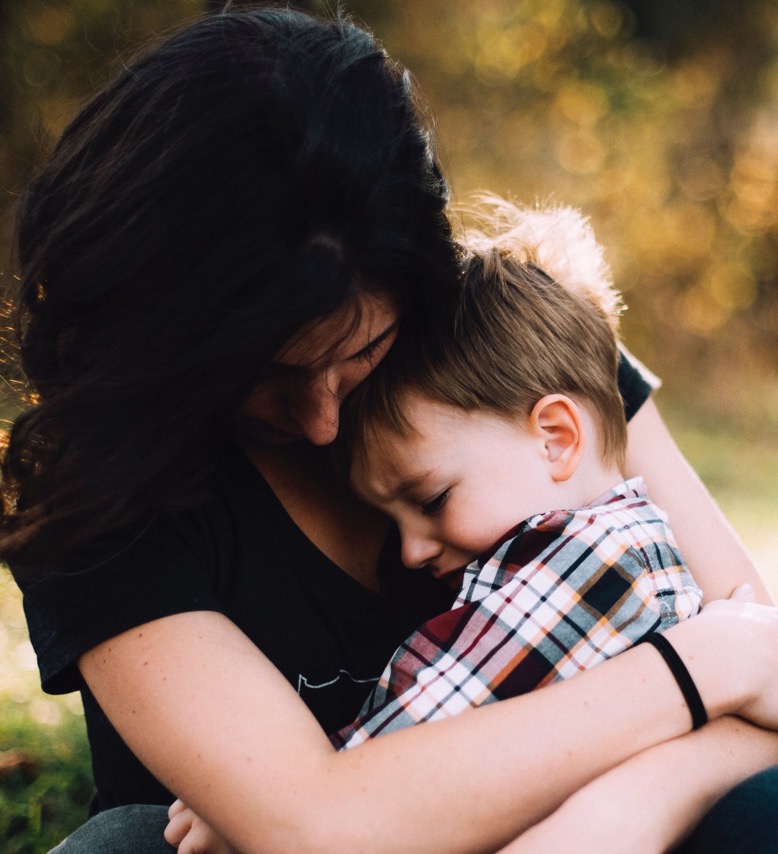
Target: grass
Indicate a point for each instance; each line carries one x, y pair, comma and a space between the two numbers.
45, 778
739, 465
45, 773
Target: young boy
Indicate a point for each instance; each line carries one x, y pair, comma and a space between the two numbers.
496, 445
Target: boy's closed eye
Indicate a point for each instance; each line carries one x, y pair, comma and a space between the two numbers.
436, 504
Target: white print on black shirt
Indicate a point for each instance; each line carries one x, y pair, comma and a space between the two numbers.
337, 701
303, 683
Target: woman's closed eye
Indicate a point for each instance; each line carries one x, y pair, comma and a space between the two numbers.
381, 342
369, 352
376, 347
436, 504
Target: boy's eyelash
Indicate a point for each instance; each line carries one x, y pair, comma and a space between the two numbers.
430, 508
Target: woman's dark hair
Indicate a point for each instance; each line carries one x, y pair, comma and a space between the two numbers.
235, 182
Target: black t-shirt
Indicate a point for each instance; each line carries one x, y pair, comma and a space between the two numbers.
242, 555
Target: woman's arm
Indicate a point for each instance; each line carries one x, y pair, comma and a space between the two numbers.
717, 557
654, 808
216, 722
652, 802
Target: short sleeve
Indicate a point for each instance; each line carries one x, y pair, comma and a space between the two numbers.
116, 584
636, 382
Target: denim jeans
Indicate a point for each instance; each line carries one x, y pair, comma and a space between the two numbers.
743, 822
133, 829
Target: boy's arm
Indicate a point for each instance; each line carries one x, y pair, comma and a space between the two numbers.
652, 802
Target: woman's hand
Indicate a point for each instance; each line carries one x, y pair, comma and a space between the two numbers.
248, 757
637, 807
266, 776
757, 663
740, 678
641, 808
191, 835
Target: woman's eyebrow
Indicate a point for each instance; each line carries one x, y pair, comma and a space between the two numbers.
374, 342
371, 345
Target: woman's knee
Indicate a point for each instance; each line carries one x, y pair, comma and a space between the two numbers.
135, 829
744, 821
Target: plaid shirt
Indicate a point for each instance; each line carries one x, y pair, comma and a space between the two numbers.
566, 590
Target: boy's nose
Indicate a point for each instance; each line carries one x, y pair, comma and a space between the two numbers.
418, 551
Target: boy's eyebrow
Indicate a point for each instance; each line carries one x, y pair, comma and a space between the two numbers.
408, 484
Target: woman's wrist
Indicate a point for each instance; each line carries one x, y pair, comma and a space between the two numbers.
707, 654
683, 678
730, 651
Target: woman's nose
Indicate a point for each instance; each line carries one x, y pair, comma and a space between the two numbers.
317, 414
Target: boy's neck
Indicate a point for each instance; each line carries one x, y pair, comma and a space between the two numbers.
593, 477
591, 481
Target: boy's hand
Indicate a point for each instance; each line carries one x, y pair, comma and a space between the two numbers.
191, 835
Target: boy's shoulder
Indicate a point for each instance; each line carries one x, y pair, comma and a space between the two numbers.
625, 510
621, 521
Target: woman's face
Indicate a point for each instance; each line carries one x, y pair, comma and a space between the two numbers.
301, 393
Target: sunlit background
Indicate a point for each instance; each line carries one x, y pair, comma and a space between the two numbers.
658, 118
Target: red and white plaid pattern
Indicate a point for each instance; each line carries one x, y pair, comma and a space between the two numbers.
564, 591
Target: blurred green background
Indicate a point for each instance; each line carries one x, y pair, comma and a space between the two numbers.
658, 118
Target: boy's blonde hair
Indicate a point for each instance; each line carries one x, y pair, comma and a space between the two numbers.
536, 315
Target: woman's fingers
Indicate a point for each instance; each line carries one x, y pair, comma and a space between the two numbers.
744, 593
750, 654
176, 807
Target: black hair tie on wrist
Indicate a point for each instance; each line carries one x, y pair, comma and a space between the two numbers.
682, 676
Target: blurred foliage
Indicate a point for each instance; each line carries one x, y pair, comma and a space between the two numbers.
52, 56
45, 783
658, 118
45, 771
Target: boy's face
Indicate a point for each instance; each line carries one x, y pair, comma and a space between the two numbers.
457, 487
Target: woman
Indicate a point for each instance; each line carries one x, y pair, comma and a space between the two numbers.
222, 245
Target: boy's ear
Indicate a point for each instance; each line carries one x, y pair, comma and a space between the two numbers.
557, 420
